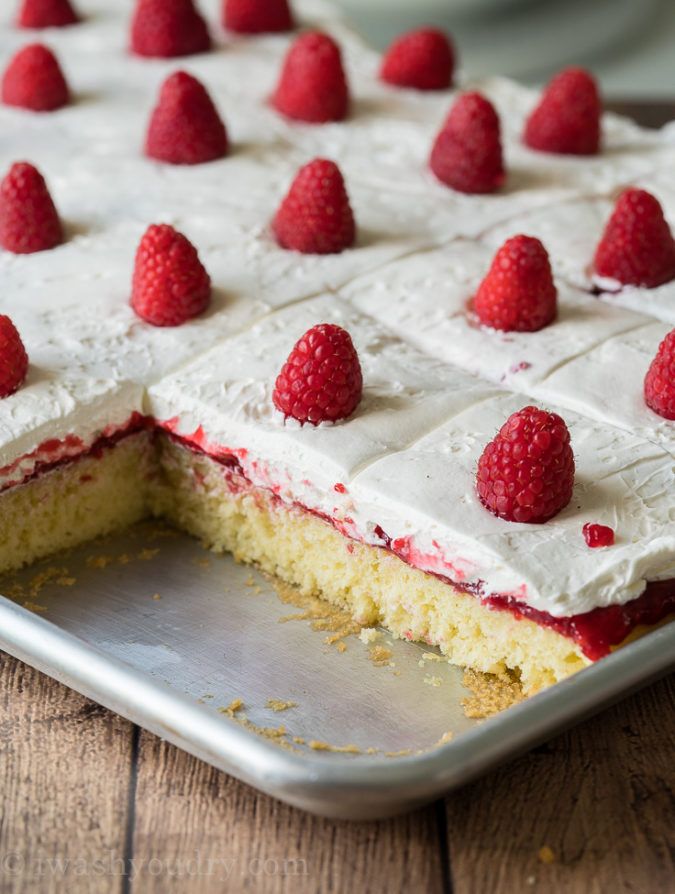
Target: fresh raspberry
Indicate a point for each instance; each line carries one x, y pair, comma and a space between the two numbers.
321, 381
170, 284
185, 128
29, 221
166, 28
13, 358
637, 247
423, 59
526, 473
518, 294
257, 16
315, 217
597, 536
467, 153
34, 80
313, 86
46, 14
567, 119
660, 379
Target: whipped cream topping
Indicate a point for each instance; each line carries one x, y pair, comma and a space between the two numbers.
571, 234
436, 384
426, 299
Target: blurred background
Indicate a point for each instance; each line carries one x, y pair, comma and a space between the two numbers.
629, 44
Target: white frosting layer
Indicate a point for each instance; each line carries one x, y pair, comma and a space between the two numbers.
426, 299
606, 384
408, 455
571, 234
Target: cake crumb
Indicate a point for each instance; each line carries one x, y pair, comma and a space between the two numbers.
234, 706
445, 738
433, 656
34, 607
277, 704
492, 693
65, 581
546, 855
316, 745
156, 596
250, 581
99, 561
404, 752
322, 616
278, 734
380, 656
39, 581
146, 554
341, 646
202, 562
369, 635
433, 681
124, 559
298, 740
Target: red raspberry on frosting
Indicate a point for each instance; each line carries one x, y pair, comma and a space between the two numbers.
185, 128
13, 358
170, 284
467, 153
321, 381
526, 473
637, 247
257, 16
46, 14
315, 217
567, 119
518, 293
34, 80
422, 59
313, 86
29, 221
167, 28
660, 379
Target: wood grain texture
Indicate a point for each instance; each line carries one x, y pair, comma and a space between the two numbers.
601, 797
216, 834
64, 787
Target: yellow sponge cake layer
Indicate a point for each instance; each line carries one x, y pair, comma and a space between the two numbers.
219, 506
75, 502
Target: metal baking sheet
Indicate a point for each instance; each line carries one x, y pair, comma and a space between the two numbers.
152, 626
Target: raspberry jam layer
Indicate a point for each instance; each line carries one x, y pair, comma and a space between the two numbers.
57, 452
595, 632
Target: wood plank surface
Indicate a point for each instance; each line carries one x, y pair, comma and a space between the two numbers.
600, 801
91, 804
216, 834
65, 771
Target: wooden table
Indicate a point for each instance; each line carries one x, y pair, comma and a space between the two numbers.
89, 803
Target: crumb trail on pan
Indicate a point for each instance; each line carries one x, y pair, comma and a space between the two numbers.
492, 693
